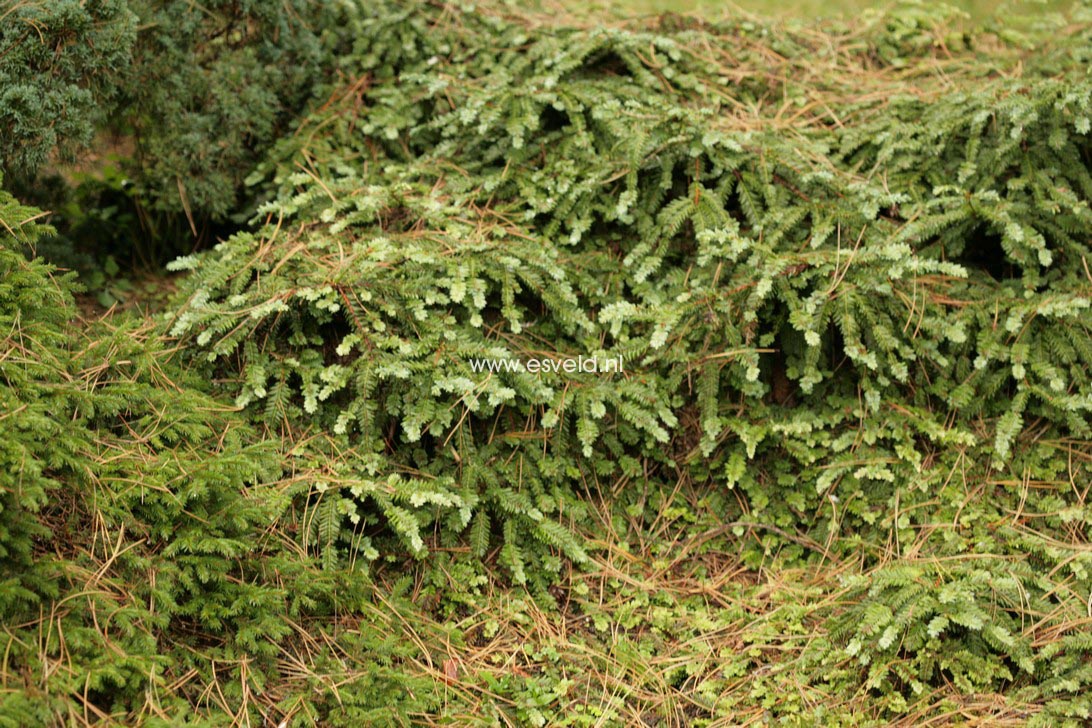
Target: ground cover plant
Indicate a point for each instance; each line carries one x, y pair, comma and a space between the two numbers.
842, 478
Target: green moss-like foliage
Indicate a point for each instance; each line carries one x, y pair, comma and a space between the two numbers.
846, 310
141, 570
129, 505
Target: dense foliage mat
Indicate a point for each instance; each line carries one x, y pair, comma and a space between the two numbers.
137, 567
843, 474
813, 320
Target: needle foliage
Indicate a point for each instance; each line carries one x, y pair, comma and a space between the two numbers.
827, 313
842, 477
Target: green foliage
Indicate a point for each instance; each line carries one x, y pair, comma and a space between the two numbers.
919, 626
213, 84
202, 89
841, 479
820, 321
140, 570
124, 516
62, 64
26, 401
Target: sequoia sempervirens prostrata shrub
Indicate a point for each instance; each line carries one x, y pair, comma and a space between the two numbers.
823, 309
846, 267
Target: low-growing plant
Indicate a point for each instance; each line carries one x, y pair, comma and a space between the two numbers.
840, 478
133, 510
802, 319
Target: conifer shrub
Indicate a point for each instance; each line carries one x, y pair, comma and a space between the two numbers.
827, 320
212, 86
132, 507
915, 627
62, 64
846, 269
200, 90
